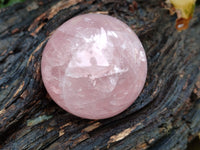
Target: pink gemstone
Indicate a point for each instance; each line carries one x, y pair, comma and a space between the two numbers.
94, 66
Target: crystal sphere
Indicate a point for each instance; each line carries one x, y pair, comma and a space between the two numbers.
94, 66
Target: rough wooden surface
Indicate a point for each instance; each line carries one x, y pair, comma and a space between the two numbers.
166, 114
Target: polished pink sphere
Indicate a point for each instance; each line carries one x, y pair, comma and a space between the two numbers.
94, 66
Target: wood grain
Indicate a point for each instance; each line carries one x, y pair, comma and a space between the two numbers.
166, 114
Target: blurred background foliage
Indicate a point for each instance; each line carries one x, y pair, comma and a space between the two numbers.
194, 144
5, 3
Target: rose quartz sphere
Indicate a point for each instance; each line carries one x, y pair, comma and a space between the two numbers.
94, 66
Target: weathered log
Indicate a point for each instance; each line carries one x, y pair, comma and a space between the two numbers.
166, 114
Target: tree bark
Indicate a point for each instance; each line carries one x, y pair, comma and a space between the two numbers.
165, 115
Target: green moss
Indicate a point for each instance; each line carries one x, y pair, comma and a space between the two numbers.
38, 120
6, 3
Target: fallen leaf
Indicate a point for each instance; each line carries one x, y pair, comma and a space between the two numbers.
184, 10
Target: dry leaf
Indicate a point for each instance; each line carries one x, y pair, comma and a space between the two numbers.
184, 10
